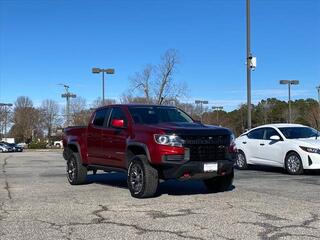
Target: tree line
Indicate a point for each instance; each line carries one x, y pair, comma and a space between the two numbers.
27, 122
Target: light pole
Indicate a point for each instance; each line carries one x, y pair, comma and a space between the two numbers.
289, 82
107, 71
201, 102
251, 65
318, 89
67, 95
5, 105
217, 108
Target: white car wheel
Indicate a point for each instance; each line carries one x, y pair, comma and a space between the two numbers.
241, 162
293, 164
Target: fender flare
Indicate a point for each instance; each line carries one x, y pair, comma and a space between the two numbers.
68, 149
140, 145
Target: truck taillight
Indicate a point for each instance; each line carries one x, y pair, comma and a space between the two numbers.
232, 147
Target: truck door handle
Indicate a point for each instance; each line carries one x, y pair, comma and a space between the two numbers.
244, 142
261, 144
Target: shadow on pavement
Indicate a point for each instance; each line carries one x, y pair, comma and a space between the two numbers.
270, 169
170, 187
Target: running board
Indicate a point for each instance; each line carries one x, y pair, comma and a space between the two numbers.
106, 168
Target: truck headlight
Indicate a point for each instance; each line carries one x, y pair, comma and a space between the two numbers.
310, 150
169, 140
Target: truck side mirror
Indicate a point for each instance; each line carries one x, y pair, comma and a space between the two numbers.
117, 123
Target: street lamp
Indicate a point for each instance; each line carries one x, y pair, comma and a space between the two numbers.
217, 108
289, 82
5, 105
107, 71
201, 102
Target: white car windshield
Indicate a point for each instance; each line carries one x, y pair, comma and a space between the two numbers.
299, 132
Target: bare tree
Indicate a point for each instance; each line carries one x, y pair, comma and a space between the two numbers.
156, 82
78, 111
50, 115
5, 119
26, 120
165, 71
313, 117
142, 82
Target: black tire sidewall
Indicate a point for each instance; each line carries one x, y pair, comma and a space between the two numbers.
134, 161
80, 171
150, 179
70, 158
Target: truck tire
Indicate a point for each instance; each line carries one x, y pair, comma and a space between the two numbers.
76, 172
142, 178
219, 184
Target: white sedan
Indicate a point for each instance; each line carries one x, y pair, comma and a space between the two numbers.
294, 147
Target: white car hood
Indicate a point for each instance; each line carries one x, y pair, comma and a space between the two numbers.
307, 142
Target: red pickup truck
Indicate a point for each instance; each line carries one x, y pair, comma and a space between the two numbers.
150, 142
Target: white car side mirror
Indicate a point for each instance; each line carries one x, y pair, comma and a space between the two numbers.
275, 138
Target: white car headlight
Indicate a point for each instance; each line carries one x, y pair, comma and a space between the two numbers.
169, 140
310, 150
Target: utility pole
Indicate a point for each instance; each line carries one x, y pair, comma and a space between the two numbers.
5, 105
248, 67
67, 95
251, 65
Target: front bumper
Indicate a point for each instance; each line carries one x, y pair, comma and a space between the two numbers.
310, 160
195, 169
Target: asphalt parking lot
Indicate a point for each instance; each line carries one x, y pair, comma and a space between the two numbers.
37, 202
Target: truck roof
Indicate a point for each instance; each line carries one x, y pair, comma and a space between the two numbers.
135, 105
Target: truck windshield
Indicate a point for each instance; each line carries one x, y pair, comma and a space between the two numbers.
155, 115
299, 132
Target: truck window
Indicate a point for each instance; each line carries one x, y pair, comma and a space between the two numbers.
99, 117
117, 113
155, 115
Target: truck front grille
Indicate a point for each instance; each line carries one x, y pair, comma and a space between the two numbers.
207, 148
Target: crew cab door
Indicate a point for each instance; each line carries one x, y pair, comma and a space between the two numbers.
114, 139
94, 143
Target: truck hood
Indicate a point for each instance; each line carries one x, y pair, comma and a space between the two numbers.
191, 129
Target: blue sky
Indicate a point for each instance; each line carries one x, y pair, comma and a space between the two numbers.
44, 43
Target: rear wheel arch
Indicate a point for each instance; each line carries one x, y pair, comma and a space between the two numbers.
73, 148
